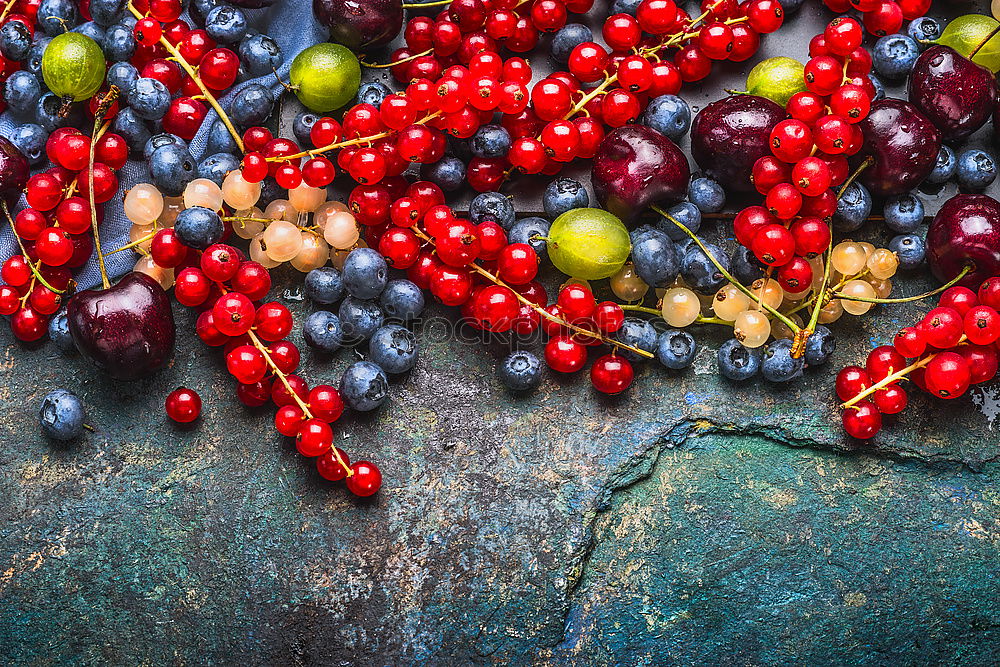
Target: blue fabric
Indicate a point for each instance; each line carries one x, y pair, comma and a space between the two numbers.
291, 24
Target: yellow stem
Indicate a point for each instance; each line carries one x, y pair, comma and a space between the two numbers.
907, 299
106, 101
398, 62
24, 252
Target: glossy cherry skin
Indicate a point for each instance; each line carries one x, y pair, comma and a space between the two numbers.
728, 136
955, 94
966, 229
904, 145
127, 330
13, 172
636, 166
360, 23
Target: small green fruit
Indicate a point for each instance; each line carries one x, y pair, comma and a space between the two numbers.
777, 79
588, 243
966, 33
73, 66
325, 76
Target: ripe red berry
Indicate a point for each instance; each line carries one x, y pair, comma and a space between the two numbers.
183, 405
909, 342
862, 420
947, 375
851, 381
565, 355
366, 479
330, 467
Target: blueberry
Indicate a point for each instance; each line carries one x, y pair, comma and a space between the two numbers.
820, 346
269, 191
637, 333
533, 232
492, 206
219, 139
852, 209
700, 273
302, 127
904, 213
924, 29
641, 233
402, 300
745, 266
131, 128
107, 12
737, 362
655, 259
364, 386
251, 105
260, 55
373, 93
568, 38
778, 364
60, 335
976, 169
359, 318
393, 348
490, 141
216, 166
160, 140
791, 6
675, 349
119, 43
122, 75
149, 98
706, 194
324, 285
172, 168
198, 227
61, 415
894, 55
448, 173
564, 194
226, 24
365, 273
199, 9
34, 62
55, 16
910, 249
15, 41
520, 371
685, 213
669, 115
47, 113
92, 30
624, 7
455, 147
322, 331
30, 139
878, 86
944, 167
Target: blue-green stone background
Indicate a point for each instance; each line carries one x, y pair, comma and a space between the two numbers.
691, 521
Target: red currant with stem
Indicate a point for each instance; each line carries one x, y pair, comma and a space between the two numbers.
365, 480
315, 437
451, 286
329, 466
254, 395
784, 201
325, 403
765, 16
981, 325
961, 299
219, 262
565, 355
246, 364
400, 247
832, 134
459, 244
884, 361
851, 381
611, 374
947, 375
285, 356
862, 420
252, 280
183, 405
850, 102
495, 308
796, 275
791, 140
233, 313
942, 327
285, 393
891, 400
811, 234
811, 175
517, 264
288, 420
609, 316
982, 362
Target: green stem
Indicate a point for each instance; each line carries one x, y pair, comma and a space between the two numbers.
27, 260
907, 299
640, 309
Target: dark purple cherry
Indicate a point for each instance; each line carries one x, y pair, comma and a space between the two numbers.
127, 329
14, 172
955, 94
965, 231
360, 24
728, 136
904, 145
636, 166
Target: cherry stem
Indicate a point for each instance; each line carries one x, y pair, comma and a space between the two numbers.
193, 73
983, 43
397, 62
907, 299
736, 283
24, 252
103, 106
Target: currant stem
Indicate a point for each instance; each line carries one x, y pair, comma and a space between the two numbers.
7, 9
343, 144
193, 73
908, 299
398, 62
889, 379
102, 109
736, 283
639, 309
133, 244
24, 252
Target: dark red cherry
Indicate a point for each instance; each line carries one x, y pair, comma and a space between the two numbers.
955, 94
966, 230
904, 145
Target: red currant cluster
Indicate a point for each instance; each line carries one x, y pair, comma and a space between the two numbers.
54, 229
228, 290
882, 17
809, 158
953, 347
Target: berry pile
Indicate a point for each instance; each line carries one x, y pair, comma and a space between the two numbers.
952, 348
882, 17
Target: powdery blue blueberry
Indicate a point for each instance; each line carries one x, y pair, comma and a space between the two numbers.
669, 115
975, 169
323, 331
944, 167
61, 415
216, 166
365, 273
894, 56
745, 266
490, 141
924, 29
564, 194
533, 232
226, 24
394, 349
364, 386
402, 300
492, 206
852, 208
737, 362
637, 333
118, 43
92, 30
131, 128
706, 194
778, 364
260, 55
55, 16
251, 105
15, 41
219, 139
199, 9
903, 213
48, 110
30, 139
373, 93
359, 318
198, 227
624, 7
685, 213
34, 61
324, 285
160, 140
448, 173
911, 250
568, 38
700, 273
21, 91
655, 259
172, 168
302, 127
60, 335
107, 12
520, 371
149, 98
820, 346
675, 349
122, 75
